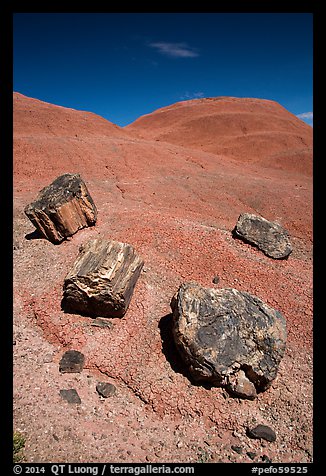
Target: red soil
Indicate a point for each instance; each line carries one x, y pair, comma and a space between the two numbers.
250, 130
172, 184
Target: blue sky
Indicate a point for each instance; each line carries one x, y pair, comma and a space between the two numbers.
124, 65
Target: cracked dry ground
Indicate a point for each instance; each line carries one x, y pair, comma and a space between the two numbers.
157, 414
177, 206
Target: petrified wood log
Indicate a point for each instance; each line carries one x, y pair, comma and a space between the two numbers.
228, 338
62, 208
102, 280
269, 237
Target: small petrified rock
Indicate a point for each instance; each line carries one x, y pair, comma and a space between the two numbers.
105, 389
102, 280
237, 449
102, 322
216, 279
262, 431
251, 454
266, 459
228, 338
70, 395
62, 208
241, 386
269, 237
72, 361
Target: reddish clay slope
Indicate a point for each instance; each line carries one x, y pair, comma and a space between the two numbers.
247, 129
33, 117
48, 137
177, 206
51, 140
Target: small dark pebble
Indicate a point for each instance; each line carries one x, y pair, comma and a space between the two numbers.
262, 431
216, 279
71, 395
72, 361
265, 459
251, 454
105, 389
237, 449
55, 437
99, 322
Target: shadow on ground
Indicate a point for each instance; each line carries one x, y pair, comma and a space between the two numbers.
35, 235
172, 354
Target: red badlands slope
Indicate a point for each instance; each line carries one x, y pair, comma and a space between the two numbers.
176, 200
49, 139
250, 130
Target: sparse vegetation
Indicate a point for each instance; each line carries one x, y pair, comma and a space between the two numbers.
18, 444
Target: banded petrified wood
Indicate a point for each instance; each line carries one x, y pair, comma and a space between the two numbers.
102, 279
228, 337
62, 208
270, 237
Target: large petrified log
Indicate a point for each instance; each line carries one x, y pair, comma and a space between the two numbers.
102, 279
228, 338
62, 208
269, 237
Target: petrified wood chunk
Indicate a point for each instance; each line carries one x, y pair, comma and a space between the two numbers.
262, 432
269, 237
106, 389
62, 208
70, 395
228, 337
72, 361
102, 279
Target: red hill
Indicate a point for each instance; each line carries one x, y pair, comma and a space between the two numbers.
249, 130
50, 139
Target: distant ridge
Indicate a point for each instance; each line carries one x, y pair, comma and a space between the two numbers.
36, 116
51, 139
